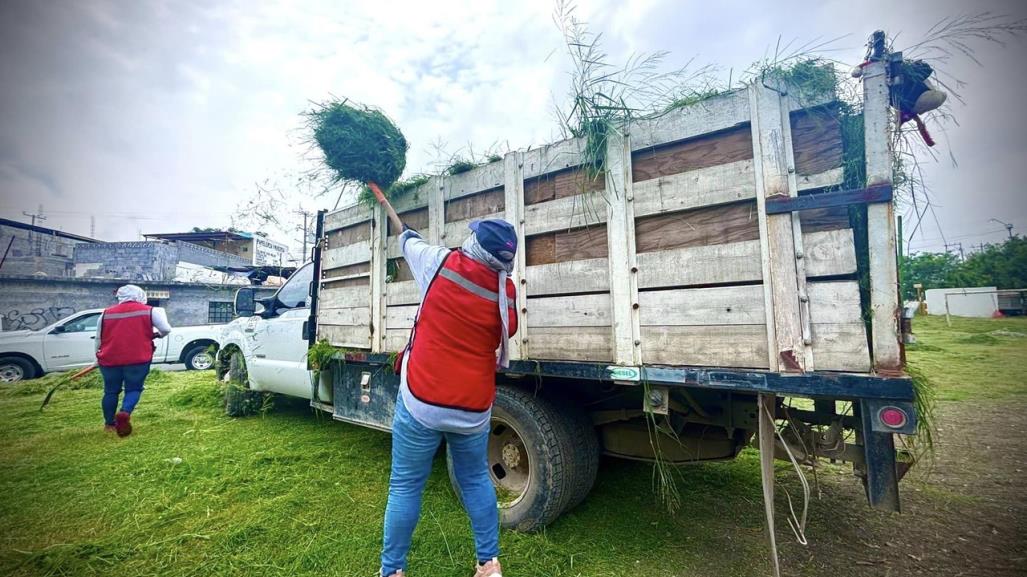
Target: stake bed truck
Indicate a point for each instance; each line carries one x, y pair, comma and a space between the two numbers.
736, 252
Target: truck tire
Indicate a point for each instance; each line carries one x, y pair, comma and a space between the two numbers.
530, 460
198, 358
15, 369
240, 401
583, 451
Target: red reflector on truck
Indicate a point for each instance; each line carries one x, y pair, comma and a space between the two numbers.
892, 417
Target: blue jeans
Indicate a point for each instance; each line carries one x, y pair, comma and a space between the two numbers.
132, 378
413, 449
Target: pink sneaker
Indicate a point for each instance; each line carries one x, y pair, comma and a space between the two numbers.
489, 569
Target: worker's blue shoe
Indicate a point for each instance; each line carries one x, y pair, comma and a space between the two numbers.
123, 423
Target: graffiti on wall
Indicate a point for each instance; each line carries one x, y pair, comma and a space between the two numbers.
16, 320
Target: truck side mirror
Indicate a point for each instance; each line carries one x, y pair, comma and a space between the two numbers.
245, 304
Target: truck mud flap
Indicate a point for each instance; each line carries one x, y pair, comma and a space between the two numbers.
364, 394
881, 419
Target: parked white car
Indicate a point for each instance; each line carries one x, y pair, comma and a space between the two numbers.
70, 343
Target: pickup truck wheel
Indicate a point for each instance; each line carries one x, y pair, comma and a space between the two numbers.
14, 369
529, 460
240, 401
199, 358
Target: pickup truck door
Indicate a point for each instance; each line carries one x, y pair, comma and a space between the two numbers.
278, 352
71, 344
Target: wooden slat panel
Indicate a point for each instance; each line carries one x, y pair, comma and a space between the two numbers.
486, 177
362, 280
816, 140
572, 343
395, 339
834, 302
560, 184
347, 216
402, 293
576, 276
345, 336
713, 114
571, 311
733, 305
349, 235
350, 316
552, 158
711, 150
709, 346
823, 219
832, 177
564, 246
400, 317
349, 270
346, 255
841, 347
415, 219
704, 226
839, 335
719, 263
479, 205
564, 213
344, 297
829, 253
710, 186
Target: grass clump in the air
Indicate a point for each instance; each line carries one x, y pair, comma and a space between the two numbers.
360, 144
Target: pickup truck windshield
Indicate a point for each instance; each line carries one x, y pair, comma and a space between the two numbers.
295, 292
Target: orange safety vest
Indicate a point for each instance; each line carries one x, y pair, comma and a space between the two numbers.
126, 335
453, 343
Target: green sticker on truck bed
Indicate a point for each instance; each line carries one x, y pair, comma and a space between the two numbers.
624, 373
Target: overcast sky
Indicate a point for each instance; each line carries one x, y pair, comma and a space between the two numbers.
161, 116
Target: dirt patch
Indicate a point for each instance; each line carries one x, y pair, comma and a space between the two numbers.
965, 514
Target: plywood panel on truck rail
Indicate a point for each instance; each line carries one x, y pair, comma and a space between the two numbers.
666, 258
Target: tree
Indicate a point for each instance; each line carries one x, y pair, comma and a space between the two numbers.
999, 265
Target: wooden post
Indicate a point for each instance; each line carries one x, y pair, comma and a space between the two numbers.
884, 282
513, 189
788, 350
620, 227
379, 260
436, 210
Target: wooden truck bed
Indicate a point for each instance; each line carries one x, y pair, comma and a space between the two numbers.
670, 258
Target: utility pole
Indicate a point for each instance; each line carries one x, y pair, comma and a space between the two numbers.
1009, 227
35, 240
956, 245
306, 216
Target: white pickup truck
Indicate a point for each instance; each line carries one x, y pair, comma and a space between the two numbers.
70, 343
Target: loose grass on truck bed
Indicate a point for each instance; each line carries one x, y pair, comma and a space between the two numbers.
294, 493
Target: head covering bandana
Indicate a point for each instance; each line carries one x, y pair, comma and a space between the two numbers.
472, 248
131, 292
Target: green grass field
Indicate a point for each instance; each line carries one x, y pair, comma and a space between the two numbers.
294, 493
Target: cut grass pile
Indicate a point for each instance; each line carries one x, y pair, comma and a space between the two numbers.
192, 492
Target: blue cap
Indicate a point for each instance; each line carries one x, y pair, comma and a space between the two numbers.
496, 236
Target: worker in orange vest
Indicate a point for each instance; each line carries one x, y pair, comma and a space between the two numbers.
124, 350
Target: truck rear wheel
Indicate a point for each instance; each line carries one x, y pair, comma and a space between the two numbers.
240, 401
536, 469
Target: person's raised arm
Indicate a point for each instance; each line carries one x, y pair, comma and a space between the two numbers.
160, 321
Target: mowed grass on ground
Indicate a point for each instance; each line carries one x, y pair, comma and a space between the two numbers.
193, 492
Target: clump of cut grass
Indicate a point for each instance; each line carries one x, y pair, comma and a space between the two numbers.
924, 403
399, 189
360, 144
460, 166
319, 355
